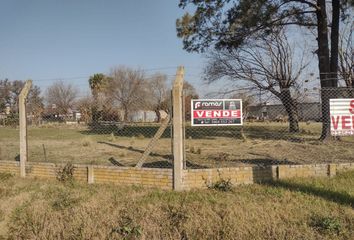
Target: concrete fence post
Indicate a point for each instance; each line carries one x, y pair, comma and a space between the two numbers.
178, 151
90, 175
332, 170
23, 127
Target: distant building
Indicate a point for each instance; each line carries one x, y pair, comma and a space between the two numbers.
307, 111
146, 116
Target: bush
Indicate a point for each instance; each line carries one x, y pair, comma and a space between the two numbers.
66, 174
327, 224
222, 185
64, 199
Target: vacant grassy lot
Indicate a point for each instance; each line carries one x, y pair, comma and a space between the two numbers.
297, 209
266, 143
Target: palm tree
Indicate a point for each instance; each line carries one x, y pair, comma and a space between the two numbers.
97, 83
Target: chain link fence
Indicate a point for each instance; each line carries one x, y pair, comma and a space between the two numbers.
286, 131
104, 143
98, 130
9, 141
103, 127
98, 134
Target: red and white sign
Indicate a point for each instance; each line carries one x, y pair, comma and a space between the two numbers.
216, 112
342, 116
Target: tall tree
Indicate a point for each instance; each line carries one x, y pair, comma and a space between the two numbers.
227, 24
35, 106
128, 88
159, 94
268, 65
62, 96
97, 85
84, 105
189, 93
346, 55
9, 94
5, 94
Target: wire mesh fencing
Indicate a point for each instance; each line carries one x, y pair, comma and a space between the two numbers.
9, 130
103, 143
123, 122
108, 127
9, 138
287, 131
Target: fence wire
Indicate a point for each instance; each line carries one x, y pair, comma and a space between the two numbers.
283, 132
91, 129
98, 130
9, 139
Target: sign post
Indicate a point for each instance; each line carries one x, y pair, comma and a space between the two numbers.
216, 112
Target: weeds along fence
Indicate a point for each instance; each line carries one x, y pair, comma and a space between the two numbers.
155, 141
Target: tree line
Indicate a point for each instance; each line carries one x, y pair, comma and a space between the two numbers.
113, 97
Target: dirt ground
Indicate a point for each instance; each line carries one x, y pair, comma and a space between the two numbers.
262, 144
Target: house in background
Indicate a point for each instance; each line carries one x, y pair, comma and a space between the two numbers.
306, 111
146, 116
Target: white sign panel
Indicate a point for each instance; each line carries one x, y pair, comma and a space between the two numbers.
342, 116
216, 112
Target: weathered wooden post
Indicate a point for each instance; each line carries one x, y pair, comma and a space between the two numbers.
23, 127
178, 130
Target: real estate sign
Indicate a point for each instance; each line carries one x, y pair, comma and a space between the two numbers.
216, 112
342, 116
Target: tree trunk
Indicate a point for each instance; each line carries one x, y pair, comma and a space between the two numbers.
158, 115
95, 116
334, 43
126, 114
324, 66
290, 105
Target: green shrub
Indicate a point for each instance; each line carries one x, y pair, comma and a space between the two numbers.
127, 228
223, 185
327, 224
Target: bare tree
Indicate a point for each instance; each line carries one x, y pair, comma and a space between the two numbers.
61, 96
159, 94
346, 55
268, 65
85, 107
9, 94
5, 94
35, 104
128, 87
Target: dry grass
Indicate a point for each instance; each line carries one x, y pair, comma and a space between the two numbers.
297, 209
267, 143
